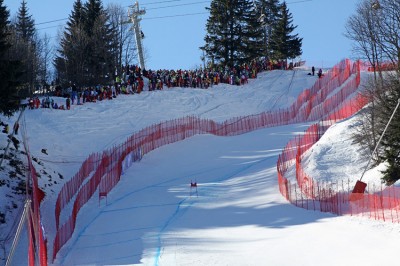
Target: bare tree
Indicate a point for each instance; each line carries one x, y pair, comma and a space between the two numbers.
124, 36
366, 132
388, 21
363, 29
375, 30
45, 50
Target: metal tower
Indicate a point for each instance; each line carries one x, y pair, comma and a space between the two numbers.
134, 14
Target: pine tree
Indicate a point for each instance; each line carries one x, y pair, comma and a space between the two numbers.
233, 32
390, 145
284, 45
26, 47
268, 12
4, 31
77, 15
92, 11
86, 54
101, 51
9, 69
25, 25
218, 44
253, 33
71, 62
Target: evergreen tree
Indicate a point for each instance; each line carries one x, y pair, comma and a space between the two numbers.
233, 32
215, 39
9, 69
93, 9
25, 47
77, 15
284, 45
253, 34
4, 31
25, 25
101, 48
71, 62
86, 50
268, 12
390, 145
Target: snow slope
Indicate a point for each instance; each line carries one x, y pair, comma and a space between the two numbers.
237, 215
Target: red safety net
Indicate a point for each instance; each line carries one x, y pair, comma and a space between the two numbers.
338, 198
37, 249
330, 98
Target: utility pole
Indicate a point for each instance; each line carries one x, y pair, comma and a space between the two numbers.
134, 14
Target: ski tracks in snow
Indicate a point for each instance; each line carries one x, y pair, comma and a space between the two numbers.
208, 193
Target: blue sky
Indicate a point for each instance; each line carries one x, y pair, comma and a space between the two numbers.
175, 29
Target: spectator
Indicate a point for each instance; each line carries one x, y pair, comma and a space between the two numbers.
320, 73
68, 103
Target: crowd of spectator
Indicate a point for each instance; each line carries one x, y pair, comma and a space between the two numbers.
130, 79
198, 78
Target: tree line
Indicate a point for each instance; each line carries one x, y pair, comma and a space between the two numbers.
375, 32
239, 31
96, 41
88, 50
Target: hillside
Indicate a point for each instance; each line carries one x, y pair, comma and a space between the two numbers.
236, 217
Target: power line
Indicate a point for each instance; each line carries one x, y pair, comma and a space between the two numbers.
178, 15
297, 2
160, 2
153, 8
151, 18
51, 21
187, 4
49, 27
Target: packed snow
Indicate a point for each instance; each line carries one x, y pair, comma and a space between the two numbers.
235, 216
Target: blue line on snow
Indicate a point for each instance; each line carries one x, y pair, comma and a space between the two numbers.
158, 253
230, 175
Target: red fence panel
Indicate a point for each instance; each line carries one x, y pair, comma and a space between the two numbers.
314, 103
327, 197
